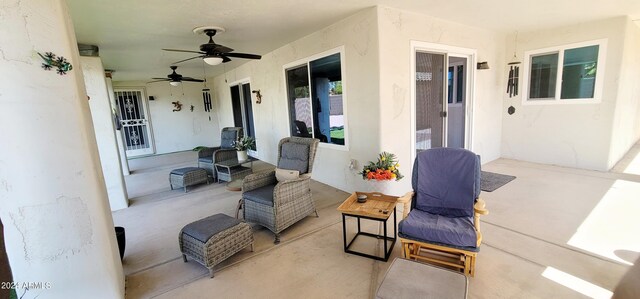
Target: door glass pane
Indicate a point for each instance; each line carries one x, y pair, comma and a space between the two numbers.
326, 83
299, 102
430, 73
450, 84
460, 83
544, 70
248, 111
236, 106
579, 73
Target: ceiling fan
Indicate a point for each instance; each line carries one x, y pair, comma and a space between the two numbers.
175, 78
212, 53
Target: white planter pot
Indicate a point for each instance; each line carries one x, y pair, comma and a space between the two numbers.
242, 155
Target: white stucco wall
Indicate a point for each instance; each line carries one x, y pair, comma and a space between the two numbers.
57, 223
573, 135
397, 29
626, 122
181, 130
358, 34
102, 116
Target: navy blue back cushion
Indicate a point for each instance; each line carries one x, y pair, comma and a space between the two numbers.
446, 181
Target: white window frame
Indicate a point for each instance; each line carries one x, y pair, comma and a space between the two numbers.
245, 123
599, 84
306, 61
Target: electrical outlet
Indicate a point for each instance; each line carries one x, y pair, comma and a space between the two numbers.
353, 164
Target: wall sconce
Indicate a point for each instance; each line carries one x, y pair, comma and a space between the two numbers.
483, 65
258, 96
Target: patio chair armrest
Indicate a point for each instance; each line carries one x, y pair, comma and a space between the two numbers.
479, 207
207, 152
287, 191
257, 180
405, 200
224, 154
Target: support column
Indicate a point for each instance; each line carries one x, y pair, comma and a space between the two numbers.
53, 201
123, 154
102, 115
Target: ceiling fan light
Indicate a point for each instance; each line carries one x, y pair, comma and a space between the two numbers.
213, 60
174, 83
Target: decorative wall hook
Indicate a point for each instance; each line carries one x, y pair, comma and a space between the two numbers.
177, 105
191, 108
258, 96
51, 60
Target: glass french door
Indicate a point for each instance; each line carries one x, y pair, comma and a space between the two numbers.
243, 109
430, 104
441, 89
133, 113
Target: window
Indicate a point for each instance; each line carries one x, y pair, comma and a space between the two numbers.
455, 83
571, 73
316, 102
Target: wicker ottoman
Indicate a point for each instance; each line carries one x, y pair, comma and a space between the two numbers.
187, 176
212, 240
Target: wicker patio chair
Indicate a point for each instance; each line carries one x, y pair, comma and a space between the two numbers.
207, 157
278, 205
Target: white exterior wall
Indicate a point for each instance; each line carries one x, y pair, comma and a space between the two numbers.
397, 29
572, 135
103, 125
57, 223
626, 122
359, 36
182, 130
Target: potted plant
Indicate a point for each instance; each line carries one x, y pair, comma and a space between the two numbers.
385, 169
242, 145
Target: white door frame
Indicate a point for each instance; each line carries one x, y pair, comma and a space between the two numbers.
471, 55
145, 107
239, 83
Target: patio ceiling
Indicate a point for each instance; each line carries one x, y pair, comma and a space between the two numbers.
130, 34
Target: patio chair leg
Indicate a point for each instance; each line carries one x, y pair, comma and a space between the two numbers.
238, 208
317, 216
185, 189
211, 273
277, 240
184, 258
252, 247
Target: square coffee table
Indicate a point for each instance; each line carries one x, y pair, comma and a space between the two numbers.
378, 207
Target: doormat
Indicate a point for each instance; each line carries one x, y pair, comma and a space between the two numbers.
490, 181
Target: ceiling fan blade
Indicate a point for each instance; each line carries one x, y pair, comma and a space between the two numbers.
191, 79
188, 59
222, 49
243, 55
158, 80
225, 59
187, 51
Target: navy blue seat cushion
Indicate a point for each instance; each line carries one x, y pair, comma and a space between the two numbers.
206, 228
294, 156
184, 170
262, 195
228, 137
206, 159
446, 181
422, 226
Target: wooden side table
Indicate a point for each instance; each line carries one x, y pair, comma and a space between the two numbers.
378, 207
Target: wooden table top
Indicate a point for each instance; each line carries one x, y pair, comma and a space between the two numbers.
374, 207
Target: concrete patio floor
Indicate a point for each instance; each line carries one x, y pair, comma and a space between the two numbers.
553, 232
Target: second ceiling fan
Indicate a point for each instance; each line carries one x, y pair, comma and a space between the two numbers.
212, 53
